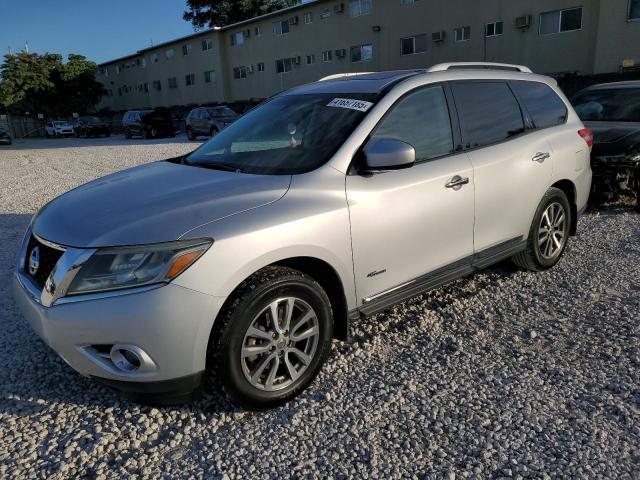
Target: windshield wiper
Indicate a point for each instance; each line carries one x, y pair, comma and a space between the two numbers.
217, 166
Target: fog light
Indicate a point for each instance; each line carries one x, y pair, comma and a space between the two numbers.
125, 359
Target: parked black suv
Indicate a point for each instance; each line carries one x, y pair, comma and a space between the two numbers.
612, 111
5, 137
91, 127
209, 120
148, 123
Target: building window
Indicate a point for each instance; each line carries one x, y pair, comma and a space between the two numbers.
258, 30
239, 72
186, 49
308, 18
462, 34
207, 44
361, 53
117, 68
326, 13
411, 45
157, 85
327, 56
190, 79
209, 76
634, 9
407, 2
494, 29
359, 7
283, 65
119, 91
169, 53
281, 27
141, 62
311, 59
154, 58
560, 21
237, 38
260, 66
173, 82
146, 87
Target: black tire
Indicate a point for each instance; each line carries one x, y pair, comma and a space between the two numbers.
127, 134
190, 135
224, 366
532, 258
213, 132
148, 133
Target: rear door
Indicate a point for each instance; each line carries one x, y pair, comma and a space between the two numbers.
511, 161
409, 223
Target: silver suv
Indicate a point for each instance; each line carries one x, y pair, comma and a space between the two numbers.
240, 262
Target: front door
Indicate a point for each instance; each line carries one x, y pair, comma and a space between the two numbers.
407, 223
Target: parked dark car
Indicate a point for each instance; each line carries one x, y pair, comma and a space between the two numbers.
148, 123
91, 127
209, 121
5, 137
612, 112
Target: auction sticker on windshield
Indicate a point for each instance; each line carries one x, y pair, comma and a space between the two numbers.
350, 104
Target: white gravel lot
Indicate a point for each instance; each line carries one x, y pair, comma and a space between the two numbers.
503, 374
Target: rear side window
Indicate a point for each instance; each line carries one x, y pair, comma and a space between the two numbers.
489, 112
422, 120
543, 104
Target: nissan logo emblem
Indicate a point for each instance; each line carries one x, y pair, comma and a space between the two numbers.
34, 260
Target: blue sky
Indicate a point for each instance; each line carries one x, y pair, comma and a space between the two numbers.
100, 30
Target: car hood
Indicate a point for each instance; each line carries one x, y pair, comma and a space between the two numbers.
608, 132
156, 202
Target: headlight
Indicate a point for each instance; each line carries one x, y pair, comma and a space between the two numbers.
126, 267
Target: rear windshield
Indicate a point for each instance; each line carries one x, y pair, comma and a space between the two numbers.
221, 112
288, 134
610, 105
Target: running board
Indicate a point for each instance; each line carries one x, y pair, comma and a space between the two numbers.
381, 301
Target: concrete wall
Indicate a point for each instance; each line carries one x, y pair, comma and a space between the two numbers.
605, 39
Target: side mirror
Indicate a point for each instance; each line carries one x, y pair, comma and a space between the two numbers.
389, 154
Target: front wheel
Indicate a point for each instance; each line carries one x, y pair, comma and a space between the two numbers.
548, 234
272, 339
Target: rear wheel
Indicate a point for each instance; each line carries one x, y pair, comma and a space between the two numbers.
549, 233
213, 132
272, 339
127, 133
190, 134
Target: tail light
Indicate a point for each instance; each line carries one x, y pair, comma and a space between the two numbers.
587, 136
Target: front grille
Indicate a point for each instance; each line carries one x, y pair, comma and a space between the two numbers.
48, 258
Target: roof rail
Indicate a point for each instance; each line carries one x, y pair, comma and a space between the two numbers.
342, 75
443, 67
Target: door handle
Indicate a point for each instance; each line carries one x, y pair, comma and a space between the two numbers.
541, 157
457, 182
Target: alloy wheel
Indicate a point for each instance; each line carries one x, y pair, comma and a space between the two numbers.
552, 231
280, 344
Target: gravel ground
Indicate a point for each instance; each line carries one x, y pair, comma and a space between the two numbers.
503, 374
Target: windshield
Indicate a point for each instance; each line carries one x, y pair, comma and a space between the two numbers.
286, 135
94, 121
615, 105
61, 124
222, 112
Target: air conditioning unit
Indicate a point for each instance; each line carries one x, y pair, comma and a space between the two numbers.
523, 21
296, 60
341, 53
293, 20
247, 33
438, 36
338, 8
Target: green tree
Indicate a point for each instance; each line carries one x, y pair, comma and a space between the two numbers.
210, 13
44, 83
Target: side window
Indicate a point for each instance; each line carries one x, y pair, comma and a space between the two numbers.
489, 112
422, 120
543, 104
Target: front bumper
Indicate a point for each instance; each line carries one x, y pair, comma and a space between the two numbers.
171, 324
